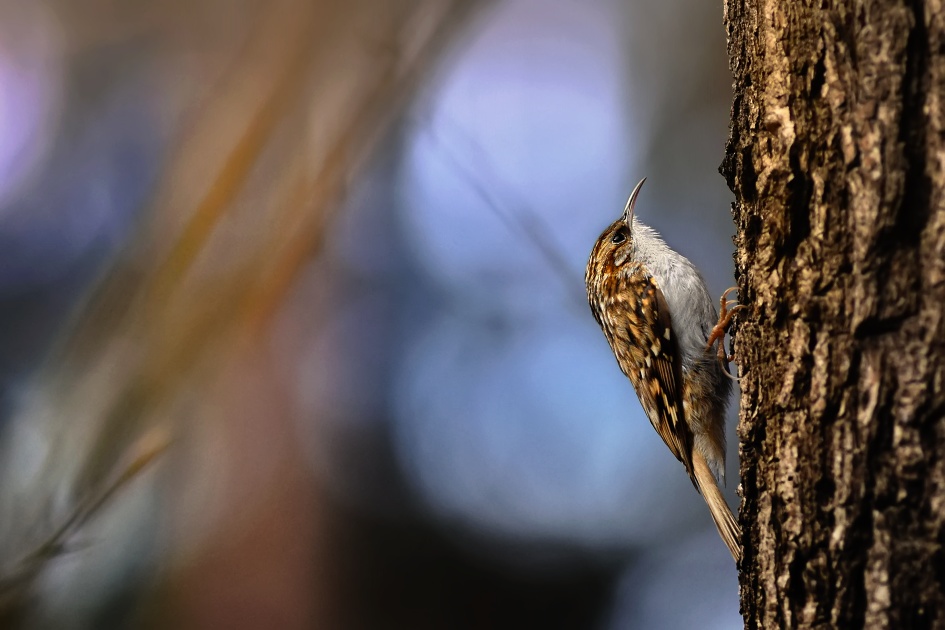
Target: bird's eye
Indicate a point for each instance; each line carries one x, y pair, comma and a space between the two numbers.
619, 237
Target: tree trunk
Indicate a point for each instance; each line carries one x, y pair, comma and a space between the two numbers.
837, 161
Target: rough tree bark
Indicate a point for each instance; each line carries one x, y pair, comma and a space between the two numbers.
837, 161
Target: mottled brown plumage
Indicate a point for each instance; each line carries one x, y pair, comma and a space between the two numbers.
633, 314
633, 279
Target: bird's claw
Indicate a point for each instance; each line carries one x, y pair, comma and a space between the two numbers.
726, 313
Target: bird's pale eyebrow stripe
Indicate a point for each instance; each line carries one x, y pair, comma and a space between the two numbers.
667, 334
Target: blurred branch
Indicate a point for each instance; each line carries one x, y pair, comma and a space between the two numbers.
515, 214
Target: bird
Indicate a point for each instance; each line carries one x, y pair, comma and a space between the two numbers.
658, 317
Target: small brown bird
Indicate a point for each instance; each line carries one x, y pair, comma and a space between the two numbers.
661, 324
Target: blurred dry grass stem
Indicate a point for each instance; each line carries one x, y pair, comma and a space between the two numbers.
20, 572
259, 169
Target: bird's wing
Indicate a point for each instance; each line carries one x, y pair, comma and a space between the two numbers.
656, 370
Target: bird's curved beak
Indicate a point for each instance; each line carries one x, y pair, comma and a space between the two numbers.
628, 211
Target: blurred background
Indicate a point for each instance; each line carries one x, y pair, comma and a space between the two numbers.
293, 331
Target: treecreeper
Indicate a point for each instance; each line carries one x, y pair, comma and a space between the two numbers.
656, 313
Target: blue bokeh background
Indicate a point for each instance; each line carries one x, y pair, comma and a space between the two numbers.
468, 385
